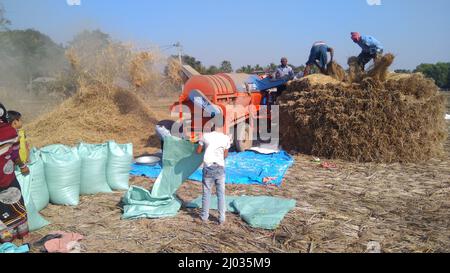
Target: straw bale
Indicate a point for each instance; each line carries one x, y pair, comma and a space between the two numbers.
398, 120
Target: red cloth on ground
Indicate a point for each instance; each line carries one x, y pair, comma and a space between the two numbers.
65, 244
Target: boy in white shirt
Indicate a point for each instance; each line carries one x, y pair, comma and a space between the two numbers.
216, 145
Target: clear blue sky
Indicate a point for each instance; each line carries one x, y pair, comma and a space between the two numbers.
250, 31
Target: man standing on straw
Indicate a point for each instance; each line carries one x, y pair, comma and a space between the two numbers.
319, 57
371, 48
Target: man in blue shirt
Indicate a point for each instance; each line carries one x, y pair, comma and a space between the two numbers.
371, 48
319, 57
284, 72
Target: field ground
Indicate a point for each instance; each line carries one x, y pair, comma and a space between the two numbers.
404, 207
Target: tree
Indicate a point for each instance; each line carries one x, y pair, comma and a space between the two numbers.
271, 67
439, 72
245, 69
226, 67
27, 54
299, 68
194, 63
90, 42
404, 71
257, 68
212, 70
3, 21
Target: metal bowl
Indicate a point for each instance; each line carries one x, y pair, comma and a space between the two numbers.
147, 160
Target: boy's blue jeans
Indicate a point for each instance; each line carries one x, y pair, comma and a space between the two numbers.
213, 175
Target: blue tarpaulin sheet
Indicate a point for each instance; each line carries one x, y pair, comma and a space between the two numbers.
241, 168
267, 83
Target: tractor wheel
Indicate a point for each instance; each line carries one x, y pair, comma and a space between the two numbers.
243, 137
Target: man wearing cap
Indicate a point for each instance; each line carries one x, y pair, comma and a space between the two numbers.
319, 57
371, 48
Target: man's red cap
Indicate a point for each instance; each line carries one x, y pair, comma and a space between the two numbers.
356, 36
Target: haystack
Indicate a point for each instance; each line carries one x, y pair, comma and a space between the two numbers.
336, 71
376, 74
101, 110
398, 120
95, 117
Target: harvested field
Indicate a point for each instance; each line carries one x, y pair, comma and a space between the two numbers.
30, 105
404, 207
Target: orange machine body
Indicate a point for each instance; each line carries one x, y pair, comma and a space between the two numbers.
229, 91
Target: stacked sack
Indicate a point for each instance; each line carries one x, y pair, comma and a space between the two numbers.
34, 190
60, 174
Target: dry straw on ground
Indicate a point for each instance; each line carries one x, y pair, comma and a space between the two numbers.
403, 207
95, 117
100, 110
398, 120
336, 71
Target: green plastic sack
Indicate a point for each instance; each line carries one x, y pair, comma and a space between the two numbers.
38, 187
180, 160
35, 220
93, 168
63, 174
118, 166
263, 211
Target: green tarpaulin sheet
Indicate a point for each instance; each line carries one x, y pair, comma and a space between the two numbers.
258, 211
197, 203
263, 211
138, 203
180, 160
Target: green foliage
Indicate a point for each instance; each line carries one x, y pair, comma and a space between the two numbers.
271, 68
28, 54
90, 41
439, 72
246, 69
194, 63
226, 67
212, 70
3, 21
404, 71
